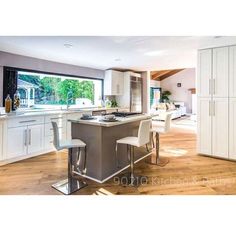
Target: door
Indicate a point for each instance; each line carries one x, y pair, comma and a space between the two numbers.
220, 127
16, 142
220, 75
232, 71
204, 73
232, 128
35, 138
204, 126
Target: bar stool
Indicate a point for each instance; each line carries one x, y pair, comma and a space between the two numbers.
131, 142
71, 184
160, 130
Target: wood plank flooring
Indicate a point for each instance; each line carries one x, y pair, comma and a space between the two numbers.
186, 173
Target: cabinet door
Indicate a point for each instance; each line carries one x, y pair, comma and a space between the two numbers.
220, 127
204, 73
204, 126
232, 128
16, 142
35, 138
1, 141
220, 75
232, 71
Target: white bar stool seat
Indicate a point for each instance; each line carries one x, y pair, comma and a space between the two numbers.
131, 142
160, 130
71, 184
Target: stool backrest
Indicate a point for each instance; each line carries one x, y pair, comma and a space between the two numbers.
144, 132
167, 123
56, 141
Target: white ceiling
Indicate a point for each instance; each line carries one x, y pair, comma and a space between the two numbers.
103, 52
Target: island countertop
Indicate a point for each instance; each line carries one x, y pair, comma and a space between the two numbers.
97, 121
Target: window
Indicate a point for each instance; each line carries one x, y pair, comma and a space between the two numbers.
46, 90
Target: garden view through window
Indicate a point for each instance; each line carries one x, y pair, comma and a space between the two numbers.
38, 90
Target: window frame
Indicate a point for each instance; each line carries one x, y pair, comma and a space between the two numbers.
17, 69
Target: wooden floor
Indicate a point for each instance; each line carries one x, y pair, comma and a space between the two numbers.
186, 173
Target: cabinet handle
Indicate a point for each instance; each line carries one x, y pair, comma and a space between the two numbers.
56, 118
29, 136
210, 86
214, 86
214, 108
25, 137
27, 121
209, 108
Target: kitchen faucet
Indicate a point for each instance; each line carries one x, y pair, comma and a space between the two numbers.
69, 98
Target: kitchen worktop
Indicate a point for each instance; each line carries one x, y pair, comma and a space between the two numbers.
30, 113
120, 120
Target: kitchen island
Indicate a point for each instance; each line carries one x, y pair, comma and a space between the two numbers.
100, 138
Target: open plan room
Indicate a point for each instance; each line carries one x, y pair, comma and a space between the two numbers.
151, 120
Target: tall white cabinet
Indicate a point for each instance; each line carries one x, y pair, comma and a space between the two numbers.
216, 90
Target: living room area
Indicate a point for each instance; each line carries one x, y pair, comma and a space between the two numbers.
173, 91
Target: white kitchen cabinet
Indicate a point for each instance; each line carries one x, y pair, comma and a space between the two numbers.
204, 126
232, 128
1, 140
220, 127
204, 73
232, 71
16, 142
113, 82
35, 138
220, 72
215, 80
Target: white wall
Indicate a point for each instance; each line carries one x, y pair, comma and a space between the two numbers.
23, 62
187, 78
154, 83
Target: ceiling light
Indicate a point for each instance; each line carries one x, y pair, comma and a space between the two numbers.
67, 45
117, 59
154, 53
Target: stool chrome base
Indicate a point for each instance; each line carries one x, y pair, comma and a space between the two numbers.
64, 187
136, 181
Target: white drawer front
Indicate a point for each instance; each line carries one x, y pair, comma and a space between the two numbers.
23, 121
49, 119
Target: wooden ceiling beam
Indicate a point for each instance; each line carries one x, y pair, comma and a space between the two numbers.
163, 74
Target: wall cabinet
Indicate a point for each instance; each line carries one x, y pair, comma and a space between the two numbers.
113, 82
204, 72
220, 127
220, 72
232, 71
232, 128
204, 126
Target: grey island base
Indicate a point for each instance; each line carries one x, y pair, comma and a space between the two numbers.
100, 138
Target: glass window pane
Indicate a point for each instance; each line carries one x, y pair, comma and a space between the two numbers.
44, 90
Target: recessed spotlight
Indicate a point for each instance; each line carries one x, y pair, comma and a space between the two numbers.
117, 59
217, 37
68, 45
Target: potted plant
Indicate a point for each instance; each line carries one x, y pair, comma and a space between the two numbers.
165, 96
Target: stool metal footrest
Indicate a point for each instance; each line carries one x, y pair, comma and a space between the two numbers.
66, 187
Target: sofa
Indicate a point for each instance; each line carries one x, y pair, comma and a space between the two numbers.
177, 109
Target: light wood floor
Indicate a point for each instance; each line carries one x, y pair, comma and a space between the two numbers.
186, 173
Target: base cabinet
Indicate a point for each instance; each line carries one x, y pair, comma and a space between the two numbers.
16, 142
25, 140
35, 139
